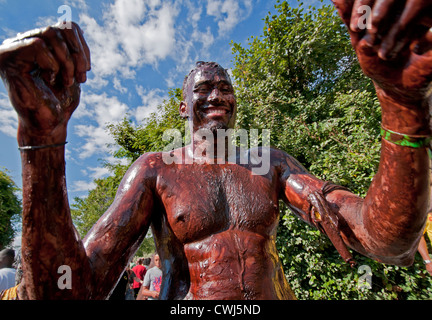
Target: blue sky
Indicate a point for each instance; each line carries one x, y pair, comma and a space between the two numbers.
140, 49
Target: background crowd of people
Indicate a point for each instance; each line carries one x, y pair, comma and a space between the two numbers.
140, 281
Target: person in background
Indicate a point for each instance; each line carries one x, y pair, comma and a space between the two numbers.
147, 262
152, 282
123, 290
422, 248
7, 272
140, 271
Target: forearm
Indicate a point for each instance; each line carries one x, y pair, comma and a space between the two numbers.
147, 293
394, 210
405, 115
389, 223
49, 239
423, 250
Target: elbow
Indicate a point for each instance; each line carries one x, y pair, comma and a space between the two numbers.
396, 256
393, 244
401, 261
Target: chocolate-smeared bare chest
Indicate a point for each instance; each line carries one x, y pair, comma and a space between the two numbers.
203, 200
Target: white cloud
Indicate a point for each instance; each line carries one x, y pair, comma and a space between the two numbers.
83, 110
16, 244
42, 22
78, 4
105, 53
7, 33
102, 110
150, 100
228, 13
8, 116
96, 140
206, 38
117, 85
132, 33
82, 186
99, 172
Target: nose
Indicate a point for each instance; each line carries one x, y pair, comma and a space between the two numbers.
215, 95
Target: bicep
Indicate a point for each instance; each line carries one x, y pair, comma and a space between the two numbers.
123, 222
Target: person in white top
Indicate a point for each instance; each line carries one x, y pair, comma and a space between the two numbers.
7, 272
152, 281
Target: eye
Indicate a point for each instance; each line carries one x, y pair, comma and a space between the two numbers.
202, 89
226, 89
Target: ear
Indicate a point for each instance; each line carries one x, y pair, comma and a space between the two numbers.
183, 110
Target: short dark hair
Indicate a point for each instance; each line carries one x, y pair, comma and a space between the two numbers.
200, 65
8, 255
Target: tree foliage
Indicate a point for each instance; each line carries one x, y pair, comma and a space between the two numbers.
134, 140
301, 79
10, 209
86, 211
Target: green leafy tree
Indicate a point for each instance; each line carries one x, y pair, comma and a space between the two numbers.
135, 140
301, 79
10, 209
86, 211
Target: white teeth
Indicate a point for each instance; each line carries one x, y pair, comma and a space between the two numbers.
216, 111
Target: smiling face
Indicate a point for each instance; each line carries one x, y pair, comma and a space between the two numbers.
209, 100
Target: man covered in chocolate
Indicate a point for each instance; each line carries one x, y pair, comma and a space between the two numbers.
214, 220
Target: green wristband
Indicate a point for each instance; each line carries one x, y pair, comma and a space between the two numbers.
405, 140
